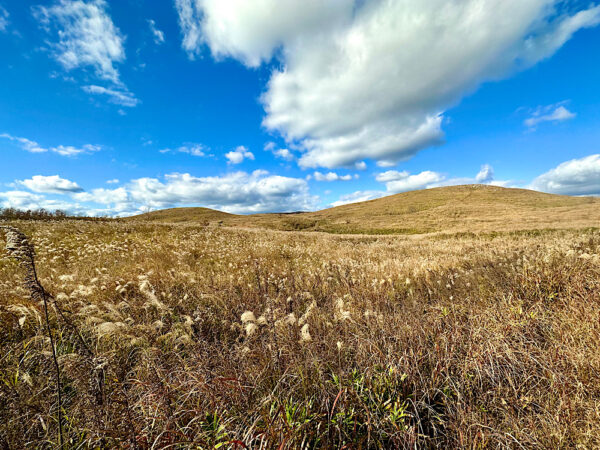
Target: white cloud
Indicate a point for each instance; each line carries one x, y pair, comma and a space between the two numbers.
20, 200
113, 181
485, 175
358, 196
331, 176
50, 184
252, 31
190, 149
117, 96
26, 144
34, 147
371, 79
69, 150
574, 177
551, 113
238, 155
24, 200
115, 202
237, 192
3, 19
396, 182
284, 153
159, 36
86, 36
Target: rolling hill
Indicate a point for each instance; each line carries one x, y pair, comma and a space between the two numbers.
468, 208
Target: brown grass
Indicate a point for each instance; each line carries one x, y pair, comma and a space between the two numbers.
446, 209
444, 341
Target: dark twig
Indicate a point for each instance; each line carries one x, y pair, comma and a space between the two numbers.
23, 252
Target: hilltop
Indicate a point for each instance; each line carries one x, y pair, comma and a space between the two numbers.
467, 208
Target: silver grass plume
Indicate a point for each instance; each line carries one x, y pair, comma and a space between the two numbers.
18, 246
23, 252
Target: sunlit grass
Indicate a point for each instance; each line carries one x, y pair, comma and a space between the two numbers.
203, 336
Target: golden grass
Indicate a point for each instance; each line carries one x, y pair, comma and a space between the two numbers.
446, 209
205, 337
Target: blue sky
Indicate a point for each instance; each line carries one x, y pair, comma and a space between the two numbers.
112, 108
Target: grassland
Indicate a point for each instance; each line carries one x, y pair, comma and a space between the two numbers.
191, 335
448, 209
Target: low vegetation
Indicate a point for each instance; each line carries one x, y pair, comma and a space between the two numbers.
187, 336
7, 214
440, 210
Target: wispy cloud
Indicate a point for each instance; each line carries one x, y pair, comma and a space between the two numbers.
159, 36
86, 36
3, 19
117, 96
25, 144
63, 150
189, 148
551, 113
189, 21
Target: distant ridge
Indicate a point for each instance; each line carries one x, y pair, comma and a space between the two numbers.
466, 208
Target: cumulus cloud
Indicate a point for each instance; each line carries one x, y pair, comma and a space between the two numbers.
238, 192
238, 155
24, 200
50, 184
117, 96
485, 175
285, 154
574, 177
371, 79
190, 149
396, 182
281, 153
3, 19
158, 35
86, 36
331, 176
63, 150
551, 113
252, 31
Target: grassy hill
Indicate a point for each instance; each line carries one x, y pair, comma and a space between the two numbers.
174, 215
469, 208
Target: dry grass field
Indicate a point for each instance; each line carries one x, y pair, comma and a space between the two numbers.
189, 335
447, 209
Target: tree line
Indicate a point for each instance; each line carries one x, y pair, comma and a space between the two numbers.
39, 214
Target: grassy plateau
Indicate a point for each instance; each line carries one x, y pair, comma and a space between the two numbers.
463, 317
